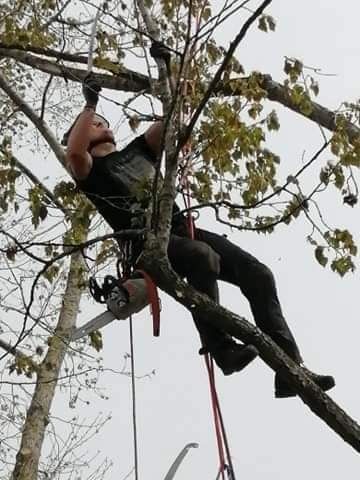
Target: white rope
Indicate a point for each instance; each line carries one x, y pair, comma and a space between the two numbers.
136, 467
92, 38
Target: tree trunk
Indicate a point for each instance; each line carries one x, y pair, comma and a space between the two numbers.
28, 456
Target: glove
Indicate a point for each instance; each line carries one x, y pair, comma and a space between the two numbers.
91, 89
159, 50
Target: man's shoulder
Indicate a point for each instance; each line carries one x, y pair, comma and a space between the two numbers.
140, 145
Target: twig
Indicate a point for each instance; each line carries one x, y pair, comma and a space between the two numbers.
35, 180
217, 77
35, 119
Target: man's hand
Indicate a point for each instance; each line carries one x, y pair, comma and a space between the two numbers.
91, 89
159, 50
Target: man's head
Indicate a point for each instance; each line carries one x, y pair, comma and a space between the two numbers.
99, 132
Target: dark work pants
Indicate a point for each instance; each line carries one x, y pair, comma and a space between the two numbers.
211, 257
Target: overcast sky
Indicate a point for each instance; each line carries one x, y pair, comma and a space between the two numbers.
270, 439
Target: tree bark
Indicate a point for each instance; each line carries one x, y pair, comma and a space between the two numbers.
28, 456
125, 80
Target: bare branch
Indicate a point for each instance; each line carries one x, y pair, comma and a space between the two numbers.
214, 82
13, 351
35, 180
43, 101
56, 16
266, 198
35, 119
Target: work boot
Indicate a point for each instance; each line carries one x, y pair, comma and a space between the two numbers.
284, 390
232, 357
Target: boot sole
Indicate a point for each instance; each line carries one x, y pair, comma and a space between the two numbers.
289, 392
251, 355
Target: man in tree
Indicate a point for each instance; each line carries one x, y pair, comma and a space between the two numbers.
112, 179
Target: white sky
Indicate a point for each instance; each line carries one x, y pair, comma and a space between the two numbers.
272, 439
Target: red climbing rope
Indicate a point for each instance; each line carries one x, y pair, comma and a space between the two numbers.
225, 462
215, 408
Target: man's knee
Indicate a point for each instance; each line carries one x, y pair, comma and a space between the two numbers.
264, 276
257, 280
205, 259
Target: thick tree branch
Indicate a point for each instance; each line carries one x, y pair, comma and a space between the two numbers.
125, 80
158, 266
130, 81
238, 327
8, 50
8, 348
320, 403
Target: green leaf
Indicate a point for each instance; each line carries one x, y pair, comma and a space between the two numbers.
272, 121
51, 273
262, 24
320, 257
11, 252
96, 340
271, 22
43, 211
293, 68
342, 265
314, 86
206, 14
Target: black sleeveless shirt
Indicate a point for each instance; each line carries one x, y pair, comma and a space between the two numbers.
114, 183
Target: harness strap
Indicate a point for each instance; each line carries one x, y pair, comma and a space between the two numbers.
154, 301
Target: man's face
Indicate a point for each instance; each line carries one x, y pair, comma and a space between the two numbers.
100, 131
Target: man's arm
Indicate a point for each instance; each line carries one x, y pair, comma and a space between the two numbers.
153, 137
77, 156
